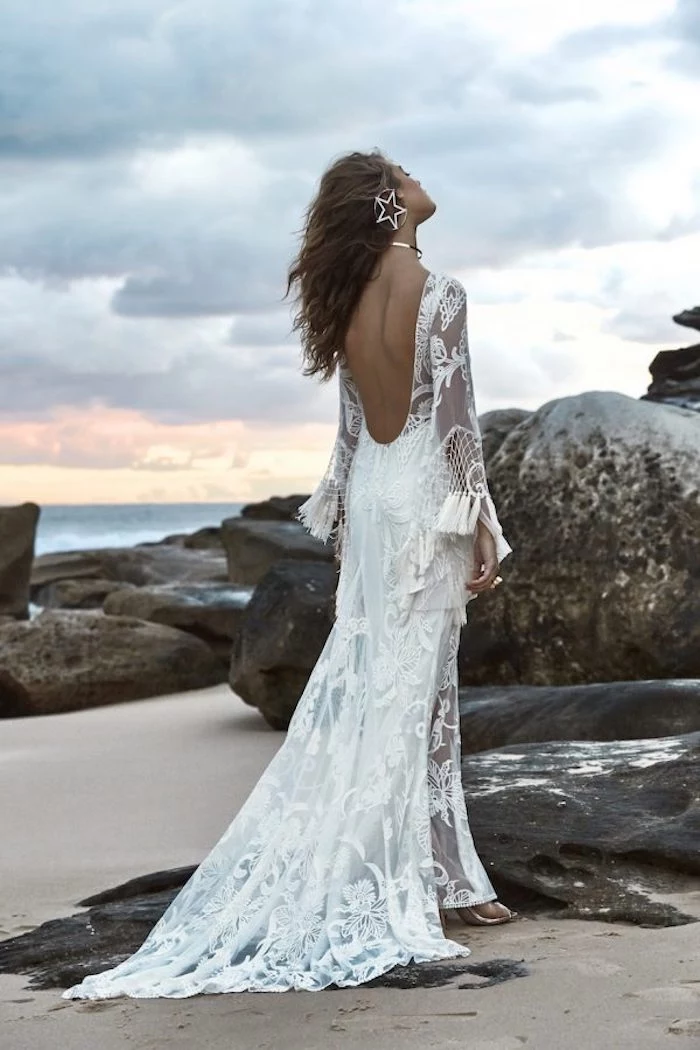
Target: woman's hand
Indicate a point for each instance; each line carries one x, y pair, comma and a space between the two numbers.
485, 561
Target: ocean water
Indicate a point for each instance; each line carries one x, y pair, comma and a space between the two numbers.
87, 526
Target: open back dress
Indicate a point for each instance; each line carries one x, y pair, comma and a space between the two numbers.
356, 833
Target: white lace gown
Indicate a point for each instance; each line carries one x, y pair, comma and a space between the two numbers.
333, 870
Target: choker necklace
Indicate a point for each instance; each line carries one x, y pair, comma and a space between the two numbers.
402, 244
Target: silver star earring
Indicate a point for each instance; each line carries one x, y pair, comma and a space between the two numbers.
387, 208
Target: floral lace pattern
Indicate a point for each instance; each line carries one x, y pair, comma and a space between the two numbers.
357, 831
443, 397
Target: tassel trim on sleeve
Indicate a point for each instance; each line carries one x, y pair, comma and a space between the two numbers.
319, 512
490, 519
459, 513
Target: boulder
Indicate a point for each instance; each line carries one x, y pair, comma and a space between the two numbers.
609, 830
211, 611
207, 538
140, 566
599, 495
174, 539
284, 629
69, 660
496, 425
689, 318
253, 546
676, 378
493, 717
17, 536
276, 508
76, 594
676, 373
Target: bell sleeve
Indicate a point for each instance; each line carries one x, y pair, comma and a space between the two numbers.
460, 463
323, 513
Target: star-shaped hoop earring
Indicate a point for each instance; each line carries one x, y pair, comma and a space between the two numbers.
387, 208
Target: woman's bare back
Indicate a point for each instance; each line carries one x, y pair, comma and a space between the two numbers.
380, 346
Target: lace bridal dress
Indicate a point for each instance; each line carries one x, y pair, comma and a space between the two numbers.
356, 832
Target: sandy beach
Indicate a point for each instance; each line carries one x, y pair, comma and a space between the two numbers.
96, 797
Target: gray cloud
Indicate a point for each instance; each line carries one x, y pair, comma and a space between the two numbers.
168, 151
684, 27
207, 290
537, 87
94, 79
600, 40
183, 253
195, 388
517, 185
191, 252
272, 329
645, 326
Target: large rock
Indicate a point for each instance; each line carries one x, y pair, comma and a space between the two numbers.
252, 547
493, 716
66, 661
610, 830
276, 508
206, 538
599, 495
495, 427
212, 612
676, 373
17, 536
283, 632
76, 594
141, 566
676, 378
689, 318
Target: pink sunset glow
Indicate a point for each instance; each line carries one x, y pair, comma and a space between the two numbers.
116, 455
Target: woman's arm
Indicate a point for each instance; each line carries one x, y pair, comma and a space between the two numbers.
468, 500
326, 505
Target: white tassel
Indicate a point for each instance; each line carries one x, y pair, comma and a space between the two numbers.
459, 513
415, 558
426, 551
319, 511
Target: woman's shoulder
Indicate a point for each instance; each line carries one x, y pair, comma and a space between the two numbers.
445, 295
446, 283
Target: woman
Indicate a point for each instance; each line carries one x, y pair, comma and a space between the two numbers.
354, 844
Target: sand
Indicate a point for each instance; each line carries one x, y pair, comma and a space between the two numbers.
93, 798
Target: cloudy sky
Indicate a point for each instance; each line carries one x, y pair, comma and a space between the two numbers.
156, 158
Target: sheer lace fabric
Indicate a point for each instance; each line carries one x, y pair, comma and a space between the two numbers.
455, 484
357, 831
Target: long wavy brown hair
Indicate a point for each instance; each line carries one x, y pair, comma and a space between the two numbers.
341, 242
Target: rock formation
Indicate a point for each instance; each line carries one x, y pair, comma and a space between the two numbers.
676, 373
608, 829
493, 716
281, 637
253, 546
66, 661
141, 566
599, 495
210, 611
17, 536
